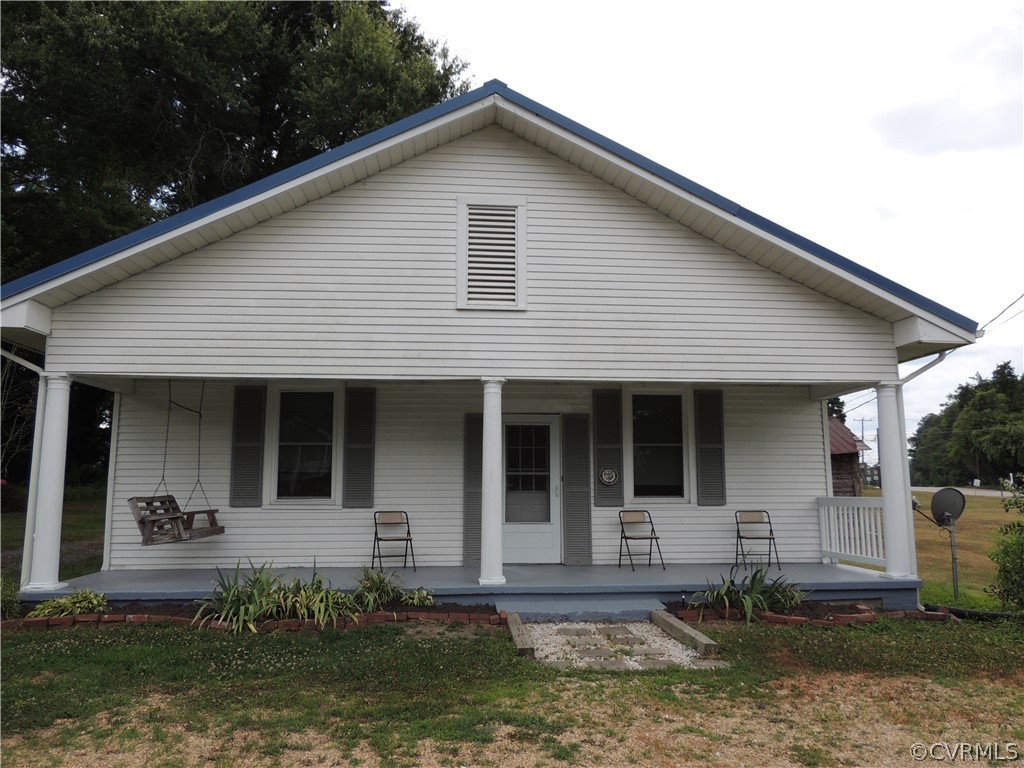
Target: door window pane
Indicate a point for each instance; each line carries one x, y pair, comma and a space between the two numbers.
527, 473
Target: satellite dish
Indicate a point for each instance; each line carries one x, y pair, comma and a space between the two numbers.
947, 506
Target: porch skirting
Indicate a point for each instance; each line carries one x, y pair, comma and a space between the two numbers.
460, 584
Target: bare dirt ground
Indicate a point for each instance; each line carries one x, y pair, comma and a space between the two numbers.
820, 720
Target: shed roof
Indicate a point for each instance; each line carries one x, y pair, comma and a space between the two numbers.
697, 207
841, 440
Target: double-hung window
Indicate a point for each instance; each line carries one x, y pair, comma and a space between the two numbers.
288, 445
305, 458
658, 446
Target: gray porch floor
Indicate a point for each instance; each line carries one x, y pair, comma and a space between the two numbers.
542, 583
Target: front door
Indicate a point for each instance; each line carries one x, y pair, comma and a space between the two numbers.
532, 530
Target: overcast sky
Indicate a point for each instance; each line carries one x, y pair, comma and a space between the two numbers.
890, 132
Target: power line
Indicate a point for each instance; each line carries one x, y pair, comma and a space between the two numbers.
1015, 314
986, 325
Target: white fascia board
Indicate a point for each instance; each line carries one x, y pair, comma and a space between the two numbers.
917, 330
281, 190
28, 315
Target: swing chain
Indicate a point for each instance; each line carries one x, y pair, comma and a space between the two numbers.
171, 402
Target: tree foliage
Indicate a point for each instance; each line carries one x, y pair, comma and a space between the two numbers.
1008, 554
117, 114
979, 433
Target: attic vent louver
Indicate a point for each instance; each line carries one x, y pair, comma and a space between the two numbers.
491, 254
491, 257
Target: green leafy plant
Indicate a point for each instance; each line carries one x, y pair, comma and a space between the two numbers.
315, 601
752, 592
376, 589
1008, 554
241, 601
10, 608
418, 597
80, 601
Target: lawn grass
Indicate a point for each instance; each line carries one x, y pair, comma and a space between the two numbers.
81, 534
82, 521
976, 534
384, 693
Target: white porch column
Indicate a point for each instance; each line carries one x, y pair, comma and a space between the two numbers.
899, 542
492, 487
45, 568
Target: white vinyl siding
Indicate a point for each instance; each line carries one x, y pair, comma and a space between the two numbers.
774, 455
363, 285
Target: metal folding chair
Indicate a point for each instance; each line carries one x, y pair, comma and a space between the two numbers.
392, 527
755, 526
637, 525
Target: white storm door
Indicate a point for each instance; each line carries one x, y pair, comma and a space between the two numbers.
532, 530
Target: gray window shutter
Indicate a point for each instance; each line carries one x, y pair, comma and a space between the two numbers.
247, 435
360, 407
710, 428
576, 489
607, 446
472, 487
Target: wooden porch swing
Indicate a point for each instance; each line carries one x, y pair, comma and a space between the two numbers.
160, 519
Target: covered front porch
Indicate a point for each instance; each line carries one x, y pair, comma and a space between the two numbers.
539, 584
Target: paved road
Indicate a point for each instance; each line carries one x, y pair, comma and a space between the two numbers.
965, 491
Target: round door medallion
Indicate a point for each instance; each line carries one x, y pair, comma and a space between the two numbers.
609, 476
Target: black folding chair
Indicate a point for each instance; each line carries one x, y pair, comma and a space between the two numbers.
392, 527
637, 525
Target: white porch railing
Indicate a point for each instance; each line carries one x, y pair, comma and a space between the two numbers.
852, 529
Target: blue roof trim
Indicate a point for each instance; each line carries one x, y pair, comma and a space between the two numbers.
490, 88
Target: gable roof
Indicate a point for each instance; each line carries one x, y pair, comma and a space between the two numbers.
697, 207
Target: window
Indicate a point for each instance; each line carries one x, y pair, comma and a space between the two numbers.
491, 253
657, 445
305, 458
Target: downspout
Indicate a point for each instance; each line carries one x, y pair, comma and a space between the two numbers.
33, 481
923, 368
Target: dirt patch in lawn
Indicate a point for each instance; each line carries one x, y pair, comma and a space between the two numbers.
823, 719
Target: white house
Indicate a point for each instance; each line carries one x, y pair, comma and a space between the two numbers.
493, 318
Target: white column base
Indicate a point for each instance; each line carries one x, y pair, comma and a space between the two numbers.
44, 587
492, 582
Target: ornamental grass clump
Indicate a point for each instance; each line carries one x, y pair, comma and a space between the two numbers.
79, 602
244, 600
751, 593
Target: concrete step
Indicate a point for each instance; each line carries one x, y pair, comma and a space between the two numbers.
615, 607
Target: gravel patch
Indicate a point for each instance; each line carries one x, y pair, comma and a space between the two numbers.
632, 645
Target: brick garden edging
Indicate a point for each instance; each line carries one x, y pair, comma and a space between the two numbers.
102, 620
837, 620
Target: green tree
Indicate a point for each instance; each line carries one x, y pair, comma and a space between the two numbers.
1008, 554
118, 114
837, 409
978, 434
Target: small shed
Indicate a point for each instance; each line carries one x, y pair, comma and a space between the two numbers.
845, 447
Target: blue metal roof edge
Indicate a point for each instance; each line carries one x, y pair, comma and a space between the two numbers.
490, 88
